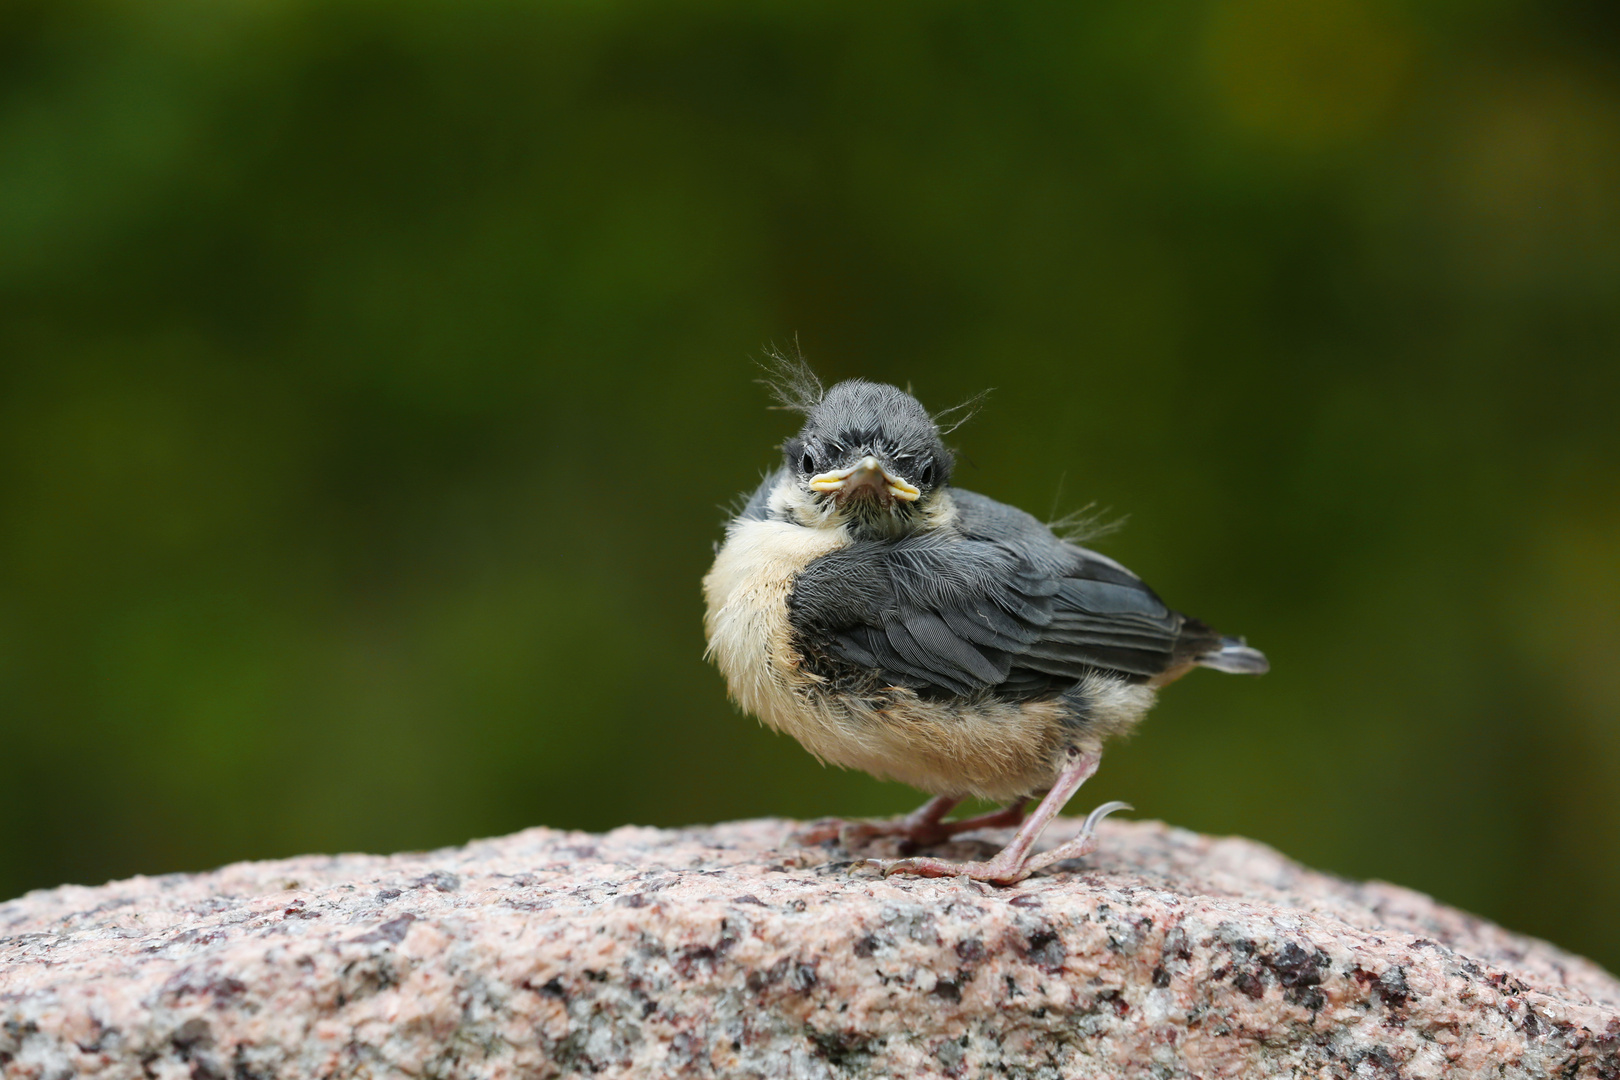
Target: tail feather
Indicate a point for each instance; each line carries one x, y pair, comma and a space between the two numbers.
1235, 657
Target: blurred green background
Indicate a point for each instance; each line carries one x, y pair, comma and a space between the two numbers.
373, 376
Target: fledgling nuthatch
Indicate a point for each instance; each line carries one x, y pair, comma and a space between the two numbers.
895, 624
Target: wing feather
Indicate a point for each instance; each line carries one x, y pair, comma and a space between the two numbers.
1002, 605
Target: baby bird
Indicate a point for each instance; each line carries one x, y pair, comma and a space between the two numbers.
895, 624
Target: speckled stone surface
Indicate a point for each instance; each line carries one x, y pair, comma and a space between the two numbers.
726, 952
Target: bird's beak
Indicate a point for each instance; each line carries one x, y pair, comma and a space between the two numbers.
867, 474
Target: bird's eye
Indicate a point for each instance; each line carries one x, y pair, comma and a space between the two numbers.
808, 461
927, 473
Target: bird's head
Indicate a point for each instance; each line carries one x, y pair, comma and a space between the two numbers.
869, 457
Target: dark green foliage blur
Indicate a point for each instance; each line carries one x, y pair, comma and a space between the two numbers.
373, 377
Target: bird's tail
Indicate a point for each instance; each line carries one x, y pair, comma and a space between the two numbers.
1235, 656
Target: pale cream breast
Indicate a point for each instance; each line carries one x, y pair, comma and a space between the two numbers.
746, 593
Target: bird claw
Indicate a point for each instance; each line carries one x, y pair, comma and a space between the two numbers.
1094, 818
1004, 869
1083, 843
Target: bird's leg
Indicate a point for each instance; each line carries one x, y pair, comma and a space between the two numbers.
1013, 863
1008, 816
1008, 864
921, 826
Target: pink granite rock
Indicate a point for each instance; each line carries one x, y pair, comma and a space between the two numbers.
727, 952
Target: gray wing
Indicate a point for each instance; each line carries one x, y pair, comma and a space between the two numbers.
1003, 605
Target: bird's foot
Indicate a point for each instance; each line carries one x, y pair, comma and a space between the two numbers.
824, 831
918, 829
857, 834
1010, 865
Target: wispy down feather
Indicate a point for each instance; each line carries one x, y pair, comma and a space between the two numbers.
1086, 523
948, 420
792, 382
